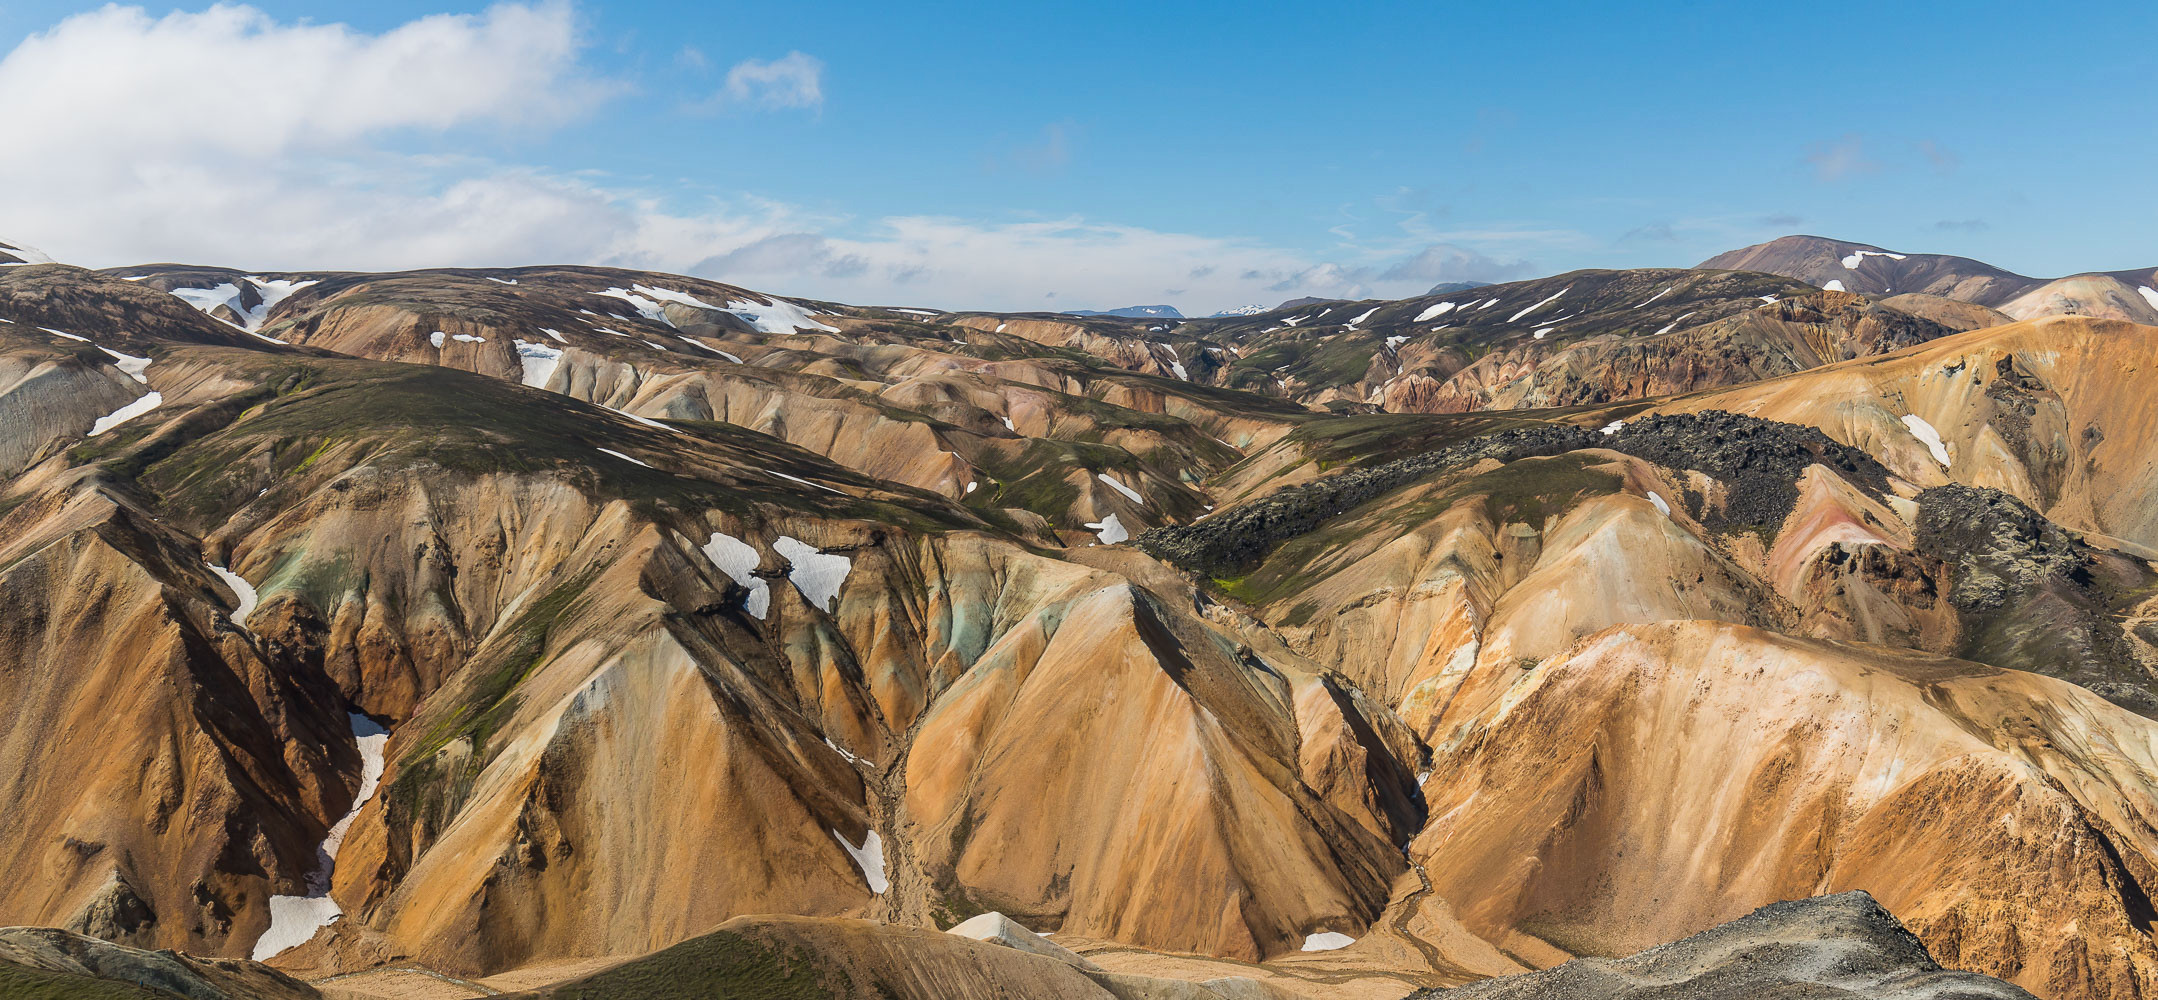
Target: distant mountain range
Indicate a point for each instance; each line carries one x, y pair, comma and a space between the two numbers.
1131, 312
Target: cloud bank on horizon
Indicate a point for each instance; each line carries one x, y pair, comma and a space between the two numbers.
230, 135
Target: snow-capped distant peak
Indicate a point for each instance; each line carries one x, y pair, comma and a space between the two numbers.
1242, 311
24, 255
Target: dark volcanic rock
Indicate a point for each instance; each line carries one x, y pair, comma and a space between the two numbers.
2033, 597
1824, 948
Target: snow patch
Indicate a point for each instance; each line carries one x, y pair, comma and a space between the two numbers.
1360, 319
1327, 941
805, 482
1109, 530
1770, 299
437, 338
1927, 436
1834, 285
243, 591
556, 334
539, 362
693, 342
295, 919
1858, 257
1394, 343
1433, 313
2149, 294
1178, 368
645, 307
817, 574
1516, 318
1675, 322
1120, 487
132, 366
1661, 506
738, 559
145, 403
1539, 334
781, 316
869, 858
1613, 427
64, 333
1658, 295
1488, 303
500, 281
626, 458
648, 421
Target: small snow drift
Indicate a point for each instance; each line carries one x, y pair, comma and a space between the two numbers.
1434, 312
1120, 487
241, 589
817, 574
626, 458
539, 361
738, 559
1327, 941
1516, 318
143, 404
869, 858
1858, 257
1927, 436
1110, 530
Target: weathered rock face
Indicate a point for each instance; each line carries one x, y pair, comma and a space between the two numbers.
157, 767
1556, 828
1784, 336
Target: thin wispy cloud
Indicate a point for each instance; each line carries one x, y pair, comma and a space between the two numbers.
1842, 159
792, 81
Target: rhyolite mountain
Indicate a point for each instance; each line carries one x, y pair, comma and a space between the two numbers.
1871, 270
603, 633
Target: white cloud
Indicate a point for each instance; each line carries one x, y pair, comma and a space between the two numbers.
227, 137
794, 80
230, 79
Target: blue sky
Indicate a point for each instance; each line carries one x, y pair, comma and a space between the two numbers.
1001, 156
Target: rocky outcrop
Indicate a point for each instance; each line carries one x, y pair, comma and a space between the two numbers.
1823, 948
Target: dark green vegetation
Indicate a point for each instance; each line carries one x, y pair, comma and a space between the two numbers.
718, 966
1760, 460
308, 420
19, 983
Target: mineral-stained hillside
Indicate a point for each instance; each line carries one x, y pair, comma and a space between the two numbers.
613, 633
